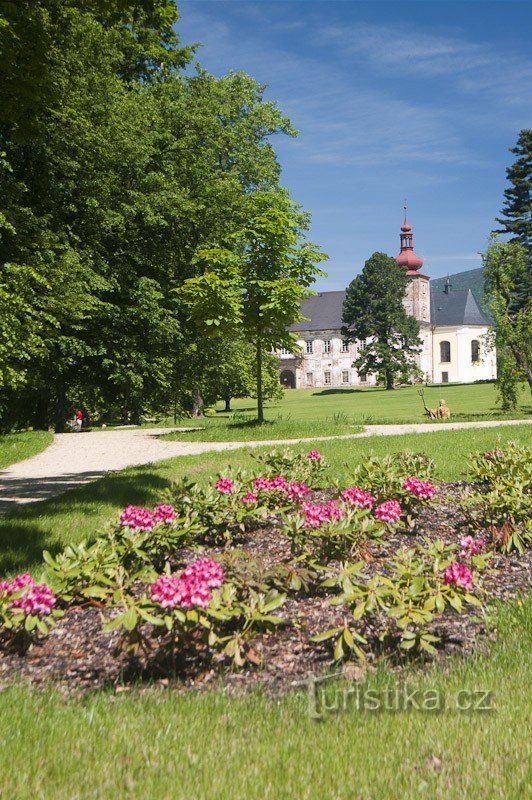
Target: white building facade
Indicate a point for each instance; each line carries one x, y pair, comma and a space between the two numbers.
453, 331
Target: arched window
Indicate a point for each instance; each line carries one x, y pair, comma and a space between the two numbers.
445, 352
475, 351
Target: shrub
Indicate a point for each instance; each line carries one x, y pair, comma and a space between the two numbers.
400, 603
27, 608
501, 505
307, 468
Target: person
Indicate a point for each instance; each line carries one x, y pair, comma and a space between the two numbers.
79, 420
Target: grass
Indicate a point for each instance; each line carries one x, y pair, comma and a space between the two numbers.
24, 444
164, 744
79, 513
167, 745
329, 412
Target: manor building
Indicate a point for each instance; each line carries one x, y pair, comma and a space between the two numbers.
453, 328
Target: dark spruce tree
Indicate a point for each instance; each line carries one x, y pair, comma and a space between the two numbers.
374, 314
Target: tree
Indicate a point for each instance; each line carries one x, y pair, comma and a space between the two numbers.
505, 268
516, 215
374, 314
253, 287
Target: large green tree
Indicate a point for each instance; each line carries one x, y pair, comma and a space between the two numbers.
505, 270
374, 314
516, 215
119, 170
253, 287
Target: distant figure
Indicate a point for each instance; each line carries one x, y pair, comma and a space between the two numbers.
443, 411
78, 420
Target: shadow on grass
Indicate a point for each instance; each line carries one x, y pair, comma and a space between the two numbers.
30, 529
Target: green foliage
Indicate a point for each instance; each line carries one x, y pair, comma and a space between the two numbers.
506, 279
373, 313
293, 466
516, 219
336, 540
399, 604
501, 505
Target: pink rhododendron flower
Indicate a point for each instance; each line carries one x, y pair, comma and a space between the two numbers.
471, 546
317, 514
261, 484
358, 497
297, 491
422, 489
224, 485
205, 570
20, 581
278, 484
5, 587
37, 600
389, 511
192, 588
459, 575
249, 498
165, 513
138, 518
314, 455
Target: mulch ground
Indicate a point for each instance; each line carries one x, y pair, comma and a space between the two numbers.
78, 656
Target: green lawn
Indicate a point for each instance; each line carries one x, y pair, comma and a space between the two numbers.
79, 513
18, 446
163, 744
329, 412
169, 746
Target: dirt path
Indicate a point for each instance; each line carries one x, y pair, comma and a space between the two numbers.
74, 459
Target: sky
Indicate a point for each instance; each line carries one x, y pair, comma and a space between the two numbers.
392, 100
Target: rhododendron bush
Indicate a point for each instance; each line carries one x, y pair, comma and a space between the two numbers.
176, 582
501, 506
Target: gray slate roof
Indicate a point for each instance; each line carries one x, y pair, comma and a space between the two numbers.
324, 310
456, 308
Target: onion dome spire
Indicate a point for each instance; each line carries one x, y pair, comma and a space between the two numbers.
407, 258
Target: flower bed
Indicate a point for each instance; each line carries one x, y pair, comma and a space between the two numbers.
264, 577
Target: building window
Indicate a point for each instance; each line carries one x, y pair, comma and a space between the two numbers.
445, 377
310, 378
309, 346
345, 346
285, 351
445, 352
345, 376
475, 351
327, 346
327, 378
362, 377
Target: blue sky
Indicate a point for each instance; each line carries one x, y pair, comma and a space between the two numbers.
391, 100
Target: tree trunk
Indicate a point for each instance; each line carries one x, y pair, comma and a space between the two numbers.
41, 417
197, 404
389, 379
60, 416
228, 404
260, 406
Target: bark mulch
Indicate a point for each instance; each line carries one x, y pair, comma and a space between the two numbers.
78, 656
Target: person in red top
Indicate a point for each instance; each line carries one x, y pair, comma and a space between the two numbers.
79, 420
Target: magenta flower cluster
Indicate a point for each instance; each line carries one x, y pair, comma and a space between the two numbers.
224, 485
193, 587
318, 514
388, 511
422, 489
471, 546
294, 490
38, 599
249, 498
142, 519
356, 496
314, 455
458, 574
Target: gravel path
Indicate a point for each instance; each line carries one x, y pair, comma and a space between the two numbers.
74, 459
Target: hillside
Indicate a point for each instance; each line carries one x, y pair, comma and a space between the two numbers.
472, 279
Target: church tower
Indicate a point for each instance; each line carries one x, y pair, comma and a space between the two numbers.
417, 298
